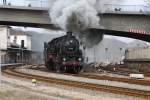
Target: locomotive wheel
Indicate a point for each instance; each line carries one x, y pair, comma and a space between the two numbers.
50, 66
63, 69
57, 68
80, 68
76, 69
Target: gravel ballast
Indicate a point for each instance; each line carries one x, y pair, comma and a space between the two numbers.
16, 89
87, 80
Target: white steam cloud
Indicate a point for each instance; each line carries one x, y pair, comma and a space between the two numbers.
82, 11
77, 16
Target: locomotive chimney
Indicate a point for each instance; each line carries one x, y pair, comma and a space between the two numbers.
69, 33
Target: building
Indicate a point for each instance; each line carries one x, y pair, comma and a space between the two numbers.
4, 32
37, 44
33, 45
18, 36
111, 50
138, 59
15, 45
107, 51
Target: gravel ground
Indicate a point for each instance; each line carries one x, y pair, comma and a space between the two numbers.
10, 91
16, 89
87, 80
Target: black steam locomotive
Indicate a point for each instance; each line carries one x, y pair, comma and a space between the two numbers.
63, 54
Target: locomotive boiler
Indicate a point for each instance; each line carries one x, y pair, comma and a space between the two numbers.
63, 54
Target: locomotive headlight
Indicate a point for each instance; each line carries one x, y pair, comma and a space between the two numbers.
79, 59
64, 59
71, 41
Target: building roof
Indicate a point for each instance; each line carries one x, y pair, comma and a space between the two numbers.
19, 32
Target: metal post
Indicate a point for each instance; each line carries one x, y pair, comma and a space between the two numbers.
41, 3
106, 49
120, 54
0, 67
22, 58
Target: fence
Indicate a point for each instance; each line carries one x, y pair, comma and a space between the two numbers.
27, 3
130, 8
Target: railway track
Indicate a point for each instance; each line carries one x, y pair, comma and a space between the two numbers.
147, 74
125, 80
110, 78
111, 89
126, 72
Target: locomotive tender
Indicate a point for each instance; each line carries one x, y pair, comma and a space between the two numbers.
63, 54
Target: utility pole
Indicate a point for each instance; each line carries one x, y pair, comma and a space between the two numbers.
120, 55
22, 57
41, 3
22, 46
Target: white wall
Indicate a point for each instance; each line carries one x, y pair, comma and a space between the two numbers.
27, 40
140, 53
113, 54
3, 37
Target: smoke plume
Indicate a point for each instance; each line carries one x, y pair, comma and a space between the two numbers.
77, 16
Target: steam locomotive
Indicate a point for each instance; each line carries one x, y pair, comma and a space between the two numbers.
63, 54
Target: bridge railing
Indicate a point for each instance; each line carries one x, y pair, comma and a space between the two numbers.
126, 8
27, 3
48, 3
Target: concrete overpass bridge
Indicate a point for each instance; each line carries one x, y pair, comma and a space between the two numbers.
113, 22
25, 16
140, 36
